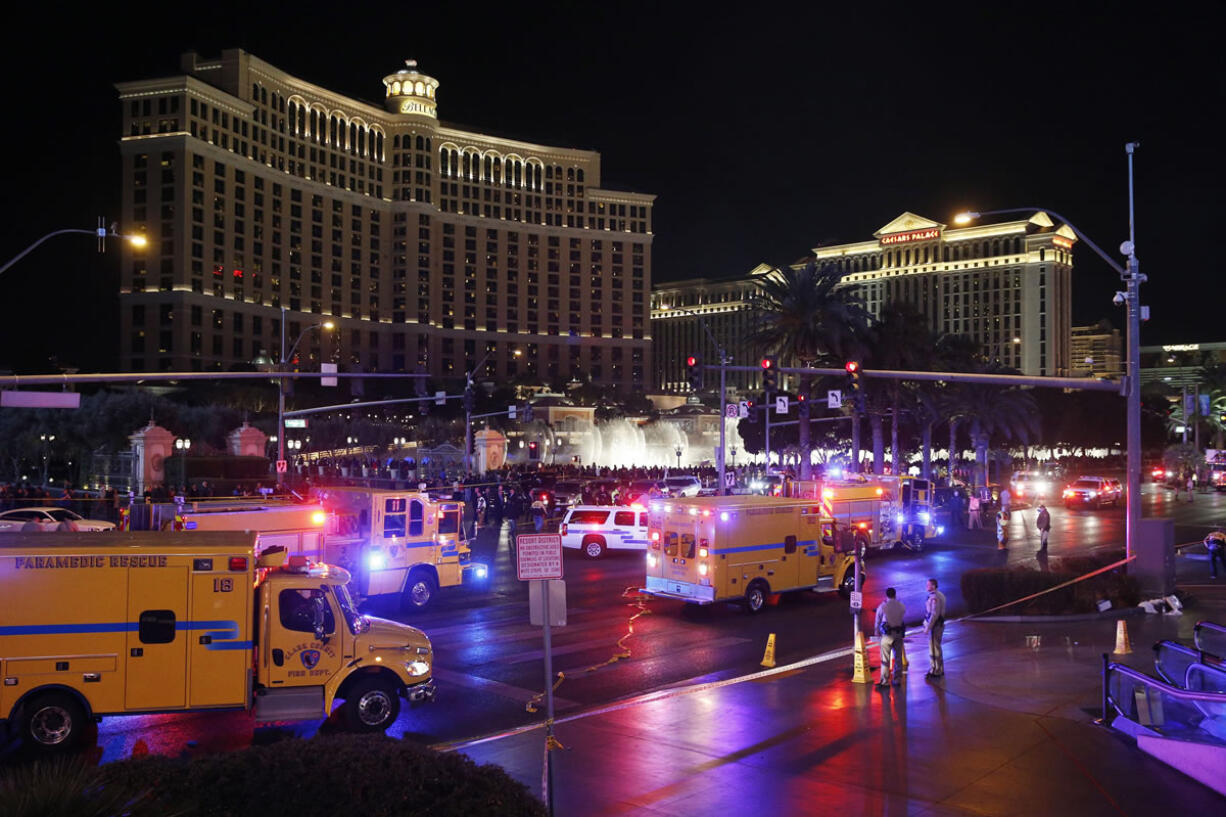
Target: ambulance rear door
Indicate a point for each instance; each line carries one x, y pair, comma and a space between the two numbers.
220, 646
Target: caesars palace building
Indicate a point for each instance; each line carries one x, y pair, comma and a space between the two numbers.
1006, 284
430, 247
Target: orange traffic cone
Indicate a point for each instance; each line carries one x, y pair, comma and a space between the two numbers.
1123, 644
768, 659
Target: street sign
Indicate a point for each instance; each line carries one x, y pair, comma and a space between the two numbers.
538, 556
781, 405
556, 606
743, 409
327, 368
40, 399
731, 411
282, 466
440, 398
857, 600
729, 479
834, 398
295, 422
510, 412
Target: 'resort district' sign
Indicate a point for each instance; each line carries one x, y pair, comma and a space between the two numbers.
538, 556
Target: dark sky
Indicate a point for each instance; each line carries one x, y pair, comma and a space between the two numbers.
764, 131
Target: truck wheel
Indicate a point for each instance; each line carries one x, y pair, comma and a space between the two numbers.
849, 581
755, 596
373, 705
418, 591
593, 547
53, 722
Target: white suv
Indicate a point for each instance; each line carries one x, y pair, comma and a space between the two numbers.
597, 529
682, 485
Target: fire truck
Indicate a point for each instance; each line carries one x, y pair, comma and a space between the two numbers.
398, 543
883, 511
300, 529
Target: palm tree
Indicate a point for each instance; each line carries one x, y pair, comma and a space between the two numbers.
955, 353
901, 340
996, 411
807, 319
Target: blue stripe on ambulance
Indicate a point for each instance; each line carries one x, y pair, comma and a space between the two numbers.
772, 546
226, 630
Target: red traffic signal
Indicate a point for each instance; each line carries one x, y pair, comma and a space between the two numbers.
852, 367
691, 361
767, 362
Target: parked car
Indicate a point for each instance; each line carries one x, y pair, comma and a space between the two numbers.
1093, 492
682, 485
49, 519
597, 529
567, 493
1027, 487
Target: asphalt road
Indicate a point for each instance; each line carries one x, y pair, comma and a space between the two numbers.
489, 663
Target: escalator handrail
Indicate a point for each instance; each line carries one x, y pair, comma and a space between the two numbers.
1175, 646
1205, 624
1163, 686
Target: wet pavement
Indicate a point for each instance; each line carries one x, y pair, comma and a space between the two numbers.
1009, 731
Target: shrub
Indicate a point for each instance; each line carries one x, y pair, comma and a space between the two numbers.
367, 775
66, 787
989, 587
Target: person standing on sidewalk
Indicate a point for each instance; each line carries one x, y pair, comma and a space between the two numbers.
934, 625
1191, 487
1043, 522
1002, 535
1215, 542
890, 630
973, 517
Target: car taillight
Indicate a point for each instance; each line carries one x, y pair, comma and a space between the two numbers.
1068, 492
563, 529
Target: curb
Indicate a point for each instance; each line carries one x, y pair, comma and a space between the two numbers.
1103, 616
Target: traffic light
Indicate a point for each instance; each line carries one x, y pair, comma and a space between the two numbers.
770, 374
693, 371
470, 400
853, 375
534, 453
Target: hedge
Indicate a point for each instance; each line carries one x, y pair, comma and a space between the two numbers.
988, 587
337, 775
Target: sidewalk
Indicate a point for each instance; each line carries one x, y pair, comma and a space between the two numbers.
1009, 731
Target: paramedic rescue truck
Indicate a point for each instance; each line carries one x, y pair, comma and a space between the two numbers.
399, 543
744, 548
92, 626
883, 511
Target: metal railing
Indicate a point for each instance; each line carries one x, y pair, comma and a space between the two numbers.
1152, 706
1210, 638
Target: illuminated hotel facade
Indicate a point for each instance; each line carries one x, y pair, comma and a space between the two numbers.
1007, 285
429, 246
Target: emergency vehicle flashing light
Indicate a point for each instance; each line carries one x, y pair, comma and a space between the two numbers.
319, 517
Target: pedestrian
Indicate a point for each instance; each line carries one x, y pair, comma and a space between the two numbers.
890, 630
1002, 535
973, 514
1191, 487
1005, 500
934, 625
1042, 521
538, 514
1216, 543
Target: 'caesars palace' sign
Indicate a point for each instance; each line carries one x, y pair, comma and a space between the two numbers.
914, 235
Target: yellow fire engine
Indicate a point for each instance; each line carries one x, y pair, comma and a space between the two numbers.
883, 511
154, 622
399, 543
743, 548
297, 528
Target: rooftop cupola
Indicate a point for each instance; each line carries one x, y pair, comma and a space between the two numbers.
410, 92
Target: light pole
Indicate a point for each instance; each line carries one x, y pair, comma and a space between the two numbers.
182, 446
102, 232
1130, 298
470, 398
677, 451
285, 357
47, 439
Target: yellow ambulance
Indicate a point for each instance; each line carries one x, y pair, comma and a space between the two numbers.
300, 529
92, 626
743, 548
400, 543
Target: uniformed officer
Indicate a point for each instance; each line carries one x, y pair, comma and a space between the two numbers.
1215, 543
890, 629
934, 625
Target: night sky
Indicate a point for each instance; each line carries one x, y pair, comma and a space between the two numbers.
764, 132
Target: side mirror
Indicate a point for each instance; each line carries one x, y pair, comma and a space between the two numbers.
319, 609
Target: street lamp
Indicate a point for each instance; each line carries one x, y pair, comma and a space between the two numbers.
1132, 277
102, 232
469, 400
47, 439
183, 445
285, 357
677, 451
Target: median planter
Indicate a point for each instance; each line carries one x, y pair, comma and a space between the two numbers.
338, 775
987, 588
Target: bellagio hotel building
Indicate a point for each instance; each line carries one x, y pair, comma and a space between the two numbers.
428, 245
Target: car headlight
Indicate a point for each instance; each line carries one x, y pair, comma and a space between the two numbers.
417, 668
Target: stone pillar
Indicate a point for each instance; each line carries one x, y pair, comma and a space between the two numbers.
490, 449
246, 441
151, 445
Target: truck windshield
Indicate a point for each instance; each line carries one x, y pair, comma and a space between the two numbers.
449, 522
356, 621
